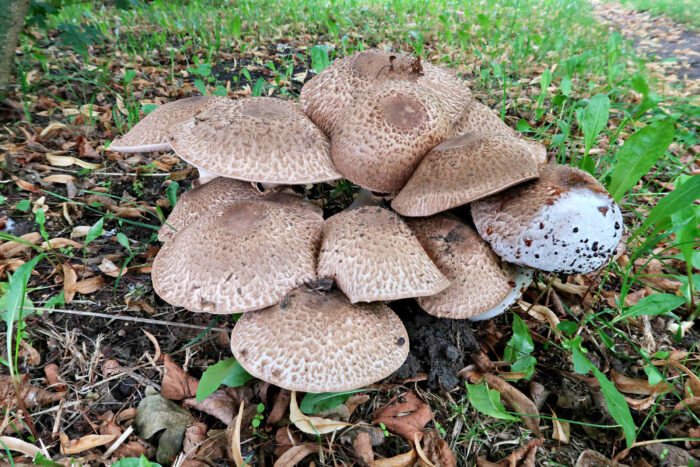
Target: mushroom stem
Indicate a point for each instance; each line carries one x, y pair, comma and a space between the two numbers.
364, 198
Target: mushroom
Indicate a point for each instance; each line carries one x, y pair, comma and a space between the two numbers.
563, 222
478, 118
324, 97
242, 258
463, 169
259, 139
205, 198
148, 135
372, 255
319, 342
481, 286
380, 140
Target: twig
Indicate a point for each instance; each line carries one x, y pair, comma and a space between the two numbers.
118, 442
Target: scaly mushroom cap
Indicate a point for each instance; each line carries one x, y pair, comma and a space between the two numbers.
479, 281
316, 342
242, 258
260, 139
150, 133
373, 255
478, 118
463, 169
380, 140
324, 97
563, 222
202, 200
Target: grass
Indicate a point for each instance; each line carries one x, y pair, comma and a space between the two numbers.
683, 11
544, 65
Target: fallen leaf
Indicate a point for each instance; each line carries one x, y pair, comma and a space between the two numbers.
88, 286
32, 396
235, 443
67, 161
285, 439
25, 185
29, 354
423, 461
406, 459
404, 415
219, 404
363, 447
51, 372
637, 386
311, 425
692, 403
85, 149
51, 129
74, 446
14, 444
156, 413
70, 277
279, 408
561, 429
517, 400
177, 384
524, 456
12, 248
438, 451
296, 454
59, 178
590, 458
61, 243
693, 381
110, 269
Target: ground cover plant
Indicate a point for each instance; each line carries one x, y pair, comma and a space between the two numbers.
602, 363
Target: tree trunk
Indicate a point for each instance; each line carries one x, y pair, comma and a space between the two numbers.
12, 15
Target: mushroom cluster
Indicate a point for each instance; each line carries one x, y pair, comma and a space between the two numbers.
390, 124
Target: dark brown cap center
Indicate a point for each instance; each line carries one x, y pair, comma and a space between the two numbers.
403, 112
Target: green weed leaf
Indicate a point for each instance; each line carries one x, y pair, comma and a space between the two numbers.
592, 119
684, 195
258, 87
519, 348
228, 372
315, 403
171, 193
617, 406
319, 58
653, 305
95, 231
487, 401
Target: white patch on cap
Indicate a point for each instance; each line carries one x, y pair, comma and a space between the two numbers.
577, 233
523, 278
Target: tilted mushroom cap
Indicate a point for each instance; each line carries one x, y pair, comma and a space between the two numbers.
463, 169
373, 255
316, 342
563, 222
324, 97
380, 140
478, 118
479, 281
243, 258
215, 195
259, 139
149, 134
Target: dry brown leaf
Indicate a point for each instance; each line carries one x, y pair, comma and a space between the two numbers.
693, 380
61, 243
355, 401
25, 185
285, 439
517, 400
66, 161
111, 368
363, 447
540, 313
279, 407
88, 286
219, 405
10, 249
524, 456
423, 461
311, 425
406, 459
574, 289
640, 404
59, 178
74, 446
561, 429
438, 451
235, 439
692, 403
637, 386
296, 454
590, 458
69, 279
32, 396
51, 372
29, 354
110, 269
177, 384
14, 444
404, 415
85, 149
52, 128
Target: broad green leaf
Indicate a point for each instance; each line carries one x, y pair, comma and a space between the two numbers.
567, 327
95, 231
135, 462
653, 305
487, 401
315, 403
592, 119
519, 348
638, 155
319, 58
654, 376
684, 195
23, 205
617, 406
566, 86
43, 461
201, 87
148, 108
228, 372
123, 241
582, 365
686, 236
258, 87
171, 193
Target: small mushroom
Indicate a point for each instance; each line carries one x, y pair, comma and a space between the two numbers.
379, 141
324, 97
373, 255
563, 222
319, 342
481, 286
203, 199
478, 118
259, 139
463, 169
148, 135
242, 258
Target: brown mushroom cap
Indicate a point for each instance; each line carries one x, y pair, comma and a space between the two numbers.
259, 139
316, 342
478, 118
373, 255
564, 221
242, 258
324, 97
202, 200
463, 169
149, 134
479, 281
380, 140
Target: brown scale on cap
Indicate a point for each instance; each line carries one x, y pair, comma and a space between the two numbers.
478, 279
260, 139
478, 118
213, 196
319, 342
243, 258
324, 97
373, 255
380, 140
463, 169
150, 133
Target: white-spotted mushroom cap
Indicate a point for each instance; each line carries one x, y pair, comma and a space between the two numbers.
479, 280
463, 169
372, 255
243, 258
564, 221
324, 97
202, 200
478, 118
259, 139
379, 141
319, 342
149, 134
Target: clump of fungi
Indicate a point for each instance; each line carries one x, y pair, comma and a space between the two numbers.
390, 124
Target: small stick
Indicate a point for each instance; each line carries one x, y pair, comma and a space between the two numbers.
118, 442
